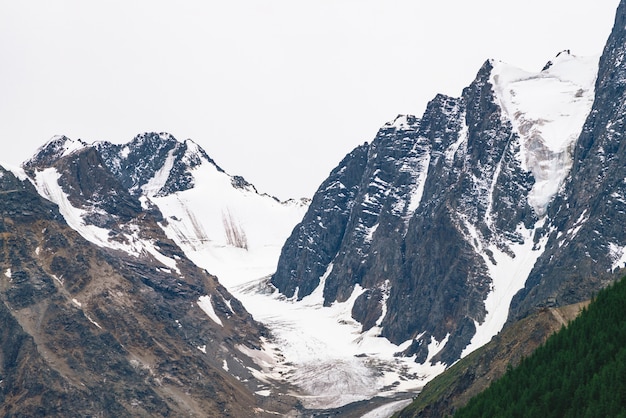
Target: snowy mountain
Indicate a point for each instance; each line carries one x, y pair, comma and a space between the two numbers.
220, 221
417, 249
113, 324
585, 235
434, 226
170, 319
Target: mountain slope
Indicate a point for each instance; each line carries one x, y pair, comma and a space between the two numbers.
220, 221
472, 374
579, 371
113, 310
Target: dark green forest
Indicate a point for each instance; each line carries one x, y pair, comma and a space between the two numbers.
579, 372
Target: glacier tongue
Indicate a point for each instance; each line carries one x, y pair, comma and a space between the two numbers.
320, 349
547, 110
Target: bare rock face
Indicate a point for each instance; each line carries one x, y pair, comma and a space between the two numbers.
324, 224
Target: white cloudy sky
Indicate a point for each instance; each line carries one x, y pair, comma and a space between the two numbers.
275, 90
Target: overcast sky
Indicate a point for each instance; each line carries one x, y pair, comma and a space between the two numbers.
278, 91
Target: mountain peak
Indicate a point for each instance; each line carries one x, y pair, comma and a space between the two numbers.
560, 56
547, 110
57, 147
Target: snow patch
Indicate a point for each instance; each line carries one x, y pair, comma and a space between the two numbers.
388, 409
418, 191
205, 304
386, 289
617, 253
91, 320
16, 171
156, 183
508, 273
125, 152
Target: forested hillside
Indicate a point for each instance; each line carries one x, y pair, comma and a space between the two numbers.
580, 371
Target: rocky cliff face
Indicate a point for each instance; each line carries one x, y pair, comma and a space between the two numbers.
444, 216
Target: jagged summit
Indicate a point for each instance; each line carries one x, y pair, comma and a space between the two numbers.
155, 163
402, 122
57, 147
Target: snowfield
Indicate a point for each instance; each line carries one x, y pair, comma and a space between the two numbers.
321, 350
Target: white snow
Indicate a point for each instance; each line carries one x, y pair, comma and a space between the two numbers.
8, 273
547, 110
156, 183
386, 289
418, 191
17, 171
387, 410
202, 348
92, 321
509, 274
618, 254
324, 352
70, 145
236, 234
205, 304
125, 152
